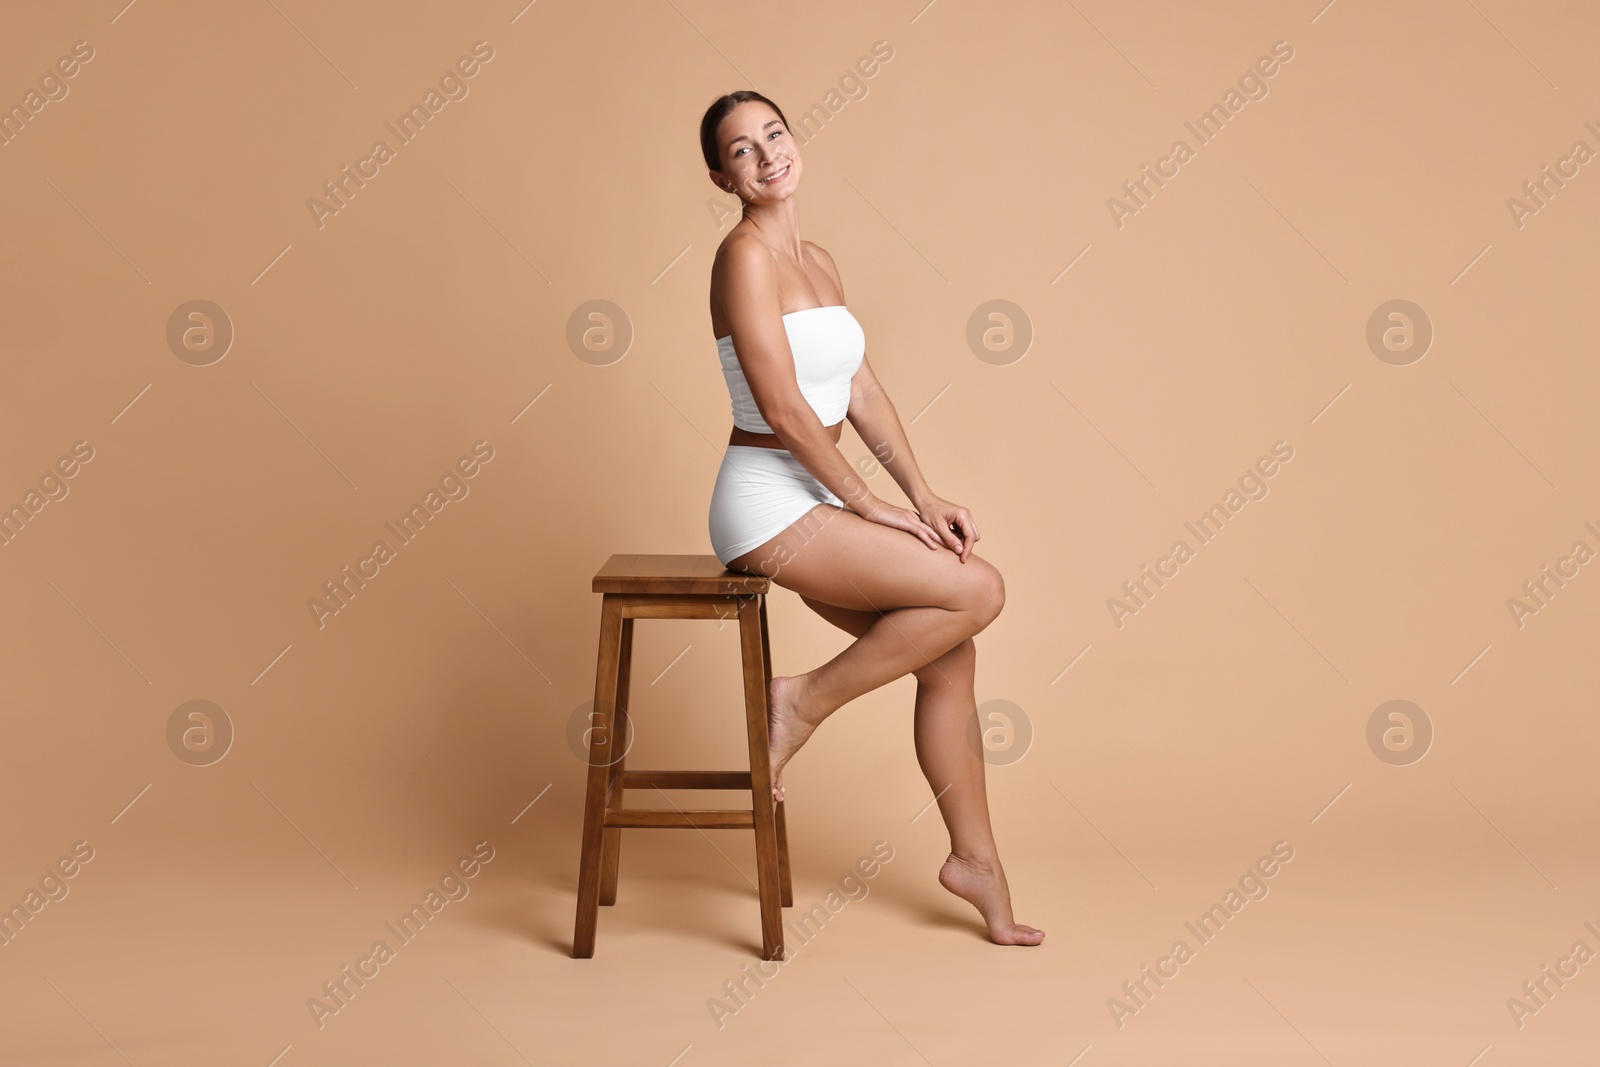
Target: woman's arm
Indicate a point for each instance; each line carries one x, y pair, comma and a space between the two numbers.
873, 415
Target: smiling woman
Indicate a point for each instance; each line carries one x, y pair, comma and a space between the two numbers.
904, 582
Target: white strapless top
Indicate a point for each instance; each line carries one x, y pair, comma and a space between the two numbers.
827, 344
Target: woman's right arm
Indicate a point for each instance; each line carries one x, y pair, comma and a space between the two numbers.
750, 299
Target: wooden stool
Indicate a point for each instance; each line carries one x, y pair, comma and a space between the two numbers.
677, 587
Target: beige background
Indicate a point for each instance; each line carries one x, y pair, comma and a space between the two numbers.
1168, 354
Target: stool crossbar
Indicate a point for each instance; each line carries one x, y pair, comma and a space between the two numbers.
677, 587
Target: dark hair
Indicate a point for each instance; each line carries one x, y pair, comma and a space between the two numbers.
717, 112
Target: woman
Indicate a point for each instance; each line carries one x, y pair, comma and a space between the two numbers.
787, 504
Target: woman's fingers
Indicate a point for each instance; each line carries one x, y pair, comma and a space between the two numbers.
938, 520
924, 531
969, 535
948, 536
915, 525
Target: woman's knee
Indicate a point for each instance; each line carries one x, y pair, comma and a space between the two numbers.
986, 592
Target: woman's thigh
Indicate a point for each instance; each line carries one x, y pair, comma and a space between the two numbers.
835, 556
853, 622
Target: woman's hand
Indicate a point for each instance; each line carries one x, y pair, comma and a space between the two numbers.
953, 523
877, 510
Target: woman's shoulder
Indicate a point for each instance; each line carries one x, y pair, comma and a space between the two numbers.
742, 246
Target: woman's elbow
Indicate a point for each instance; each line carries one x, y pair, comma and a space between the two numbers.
863, 398
785, 418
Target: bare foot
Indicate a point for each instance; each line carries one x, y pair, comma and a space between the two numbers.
984, 887
787, 729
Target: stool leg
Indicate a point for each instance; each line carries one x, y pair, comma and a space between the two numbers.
786, 891
751, 628
783, 828
612, 852
598, 788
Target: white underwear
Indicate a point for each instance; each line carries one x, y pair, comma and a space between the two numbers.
759, 493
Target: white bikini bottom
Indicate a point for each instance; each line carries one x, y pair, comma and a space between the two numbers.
758, 494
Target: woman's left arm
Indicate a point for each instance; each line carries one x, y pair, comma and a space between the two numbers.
875, 419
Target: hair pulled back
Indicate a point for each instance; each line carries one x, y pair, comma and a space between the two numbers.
719, 109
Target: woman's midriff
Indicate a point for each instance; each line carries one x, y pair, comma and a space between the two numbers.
770, 440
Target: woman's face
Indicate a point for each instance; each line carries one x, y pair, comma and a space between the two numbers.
760, 160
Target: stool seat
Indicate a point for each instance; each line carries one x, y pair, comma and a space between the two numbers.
637, 586
674, 574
